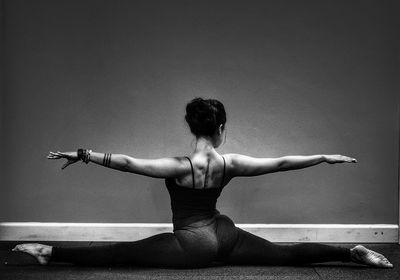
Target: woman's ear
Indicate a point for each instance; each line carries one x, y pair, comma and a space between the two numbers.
220, 129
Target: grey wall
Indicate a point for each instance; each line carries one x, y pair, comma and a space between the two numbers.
2, 86
296, 77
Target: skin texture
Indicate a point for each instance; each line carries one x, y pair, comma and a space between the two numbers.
207, 170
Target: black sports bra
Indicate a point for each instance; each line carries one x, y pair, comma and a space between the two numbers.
223, 174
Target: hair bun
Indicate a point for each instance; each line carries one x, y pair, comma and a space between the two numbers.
204, 116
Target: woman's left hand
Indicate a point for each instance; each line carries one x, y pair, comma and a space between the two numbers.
71, 157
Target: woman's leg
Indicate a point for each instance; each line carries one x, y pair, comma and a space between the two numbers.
250, 249
194, 247
159, 250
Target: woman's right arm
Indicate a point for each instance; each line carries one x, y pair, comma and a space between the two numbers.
118, 162
158, 168
249, 166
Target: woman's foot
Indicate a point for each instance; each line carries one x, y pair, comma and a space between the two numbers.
362, 255
41, 252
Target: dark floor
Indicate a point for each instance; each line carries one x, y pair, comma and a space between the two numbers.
317, 271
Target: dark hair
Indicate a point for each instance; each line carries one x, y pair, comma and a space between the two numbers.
204, 116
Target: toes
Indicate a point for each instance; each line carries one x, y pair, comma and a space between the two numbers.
17, 248
387, 263
21, 247
384, 262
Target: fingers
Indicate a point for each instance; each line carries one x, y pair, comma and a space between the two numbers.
351, 160
65, 165
56, 155
346, 159
339, 159
68, 163
53, 155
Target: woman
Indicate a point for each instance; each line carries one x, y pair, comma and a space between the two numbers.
201, 235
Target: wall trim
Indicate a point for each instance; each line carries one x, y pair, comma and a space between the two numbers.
114, 232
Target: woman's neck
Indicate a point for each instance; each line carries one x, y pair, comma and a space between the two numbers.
204, 144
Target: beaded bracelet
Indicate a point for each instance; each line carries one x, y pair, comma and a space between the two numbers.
84, 155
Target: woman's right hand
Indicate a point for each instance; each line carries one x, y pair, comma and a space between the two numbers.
71, 157
338, 159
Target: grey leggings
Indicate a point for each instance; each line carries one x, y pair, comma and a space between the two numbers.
201, 244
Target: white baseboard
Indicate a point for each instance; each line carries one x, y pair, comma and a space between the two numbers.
340, 233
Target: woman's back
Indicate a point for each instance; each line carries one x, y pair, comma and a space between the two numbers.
194, 196
208, 170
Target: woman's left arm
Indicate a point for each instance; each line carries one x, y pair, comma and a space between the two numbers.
298, 162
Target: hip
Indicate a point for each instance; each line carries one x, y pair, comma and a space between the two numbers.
216, 235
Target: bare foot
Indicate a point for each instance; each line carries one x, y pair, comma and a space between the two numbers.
362, 255
41, 252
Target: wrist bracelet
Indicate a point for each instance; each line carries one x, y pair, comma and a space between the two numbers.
80, 153
86, 158
84, 155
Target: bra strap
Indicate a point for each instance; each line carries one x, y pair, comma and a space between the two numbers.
223, 174
191, 165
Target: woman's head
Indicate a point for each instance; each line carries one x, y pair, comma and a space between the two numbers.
205, 117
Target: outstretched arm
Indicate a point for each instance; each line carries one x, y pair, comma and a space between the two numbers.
248, 166
158, 168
